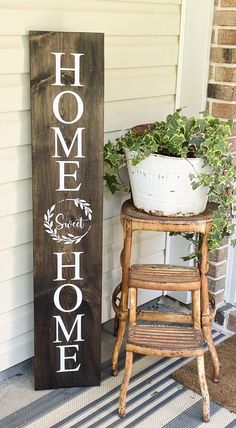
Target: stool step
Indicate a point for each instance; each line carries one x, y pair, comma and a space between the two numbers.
165, 340
164, 277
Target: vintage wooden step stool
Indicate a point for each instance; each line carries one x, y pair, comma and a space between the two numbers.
164, 340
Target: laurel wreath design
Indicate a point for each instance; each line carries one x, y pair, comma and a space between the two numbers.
69, 239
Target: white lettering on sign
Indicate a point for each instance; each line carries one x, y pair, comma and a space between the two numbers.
60, 266
62, 175
63, 358
67, 150
62, 223
78, 298
67, 335
68, 170
56, 110
59, 68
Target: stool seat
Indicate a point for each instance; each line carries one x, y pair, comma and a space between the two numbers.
165, 340
164, 277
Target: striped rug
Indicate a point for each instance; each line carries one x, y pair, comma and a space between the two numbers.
154, 400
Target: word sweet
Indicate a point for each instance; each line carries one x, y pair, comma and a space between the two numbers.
62, 223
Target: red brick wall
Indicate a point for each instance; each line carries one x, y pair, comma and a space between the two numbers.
221, 101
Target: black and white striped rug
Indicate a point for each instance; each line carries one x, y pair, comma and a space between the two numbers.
154, 400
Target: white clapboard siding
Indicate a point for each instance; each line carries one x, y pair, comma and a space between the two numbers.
14, 129
15, 126
88, 5
15, 229
16, 261
134, 51
123, 114
14, 54
17, 322
14, 92
17, 197
123, 52
15, 350
141, 59
17, 292
113, 232
121, 85
112, 204
111, 253
144, 83
15, 164
147, 23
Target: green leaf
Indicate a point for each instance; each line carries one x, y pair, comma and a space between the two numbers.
191, 256
205, 137
112, 182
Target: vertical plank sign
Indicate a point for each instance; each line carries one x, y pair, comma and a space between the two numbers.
67, 87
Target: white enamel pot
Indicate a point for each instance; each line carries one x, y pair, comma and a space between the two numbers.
161, 185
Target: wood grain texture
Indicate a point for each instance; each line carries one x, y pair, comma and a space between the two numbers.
181, 224
164, 316
45, 183
164, 277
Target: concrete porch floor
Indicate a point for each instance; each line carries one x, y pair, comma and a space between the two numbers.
17, 391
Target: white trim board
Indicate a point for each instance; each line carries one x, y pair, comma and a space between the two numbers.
194, 54
230, 288
191, 90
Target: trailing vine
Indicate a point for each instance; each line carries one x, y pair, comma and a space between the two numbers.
204, 137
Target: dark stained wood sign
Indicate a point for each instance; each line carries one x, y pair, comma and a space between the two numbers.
67, 87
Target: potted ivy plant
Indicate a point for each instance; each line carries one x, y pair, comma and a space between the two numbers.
175, 166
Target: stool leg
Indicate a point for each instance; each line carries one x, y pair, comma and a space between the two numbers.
116, 326
206, 322
125, 383
196, 308
117, 346
212, 349
204, 389
126, 256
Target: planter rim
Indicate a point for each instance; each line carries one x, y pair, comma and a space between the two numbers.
168, 157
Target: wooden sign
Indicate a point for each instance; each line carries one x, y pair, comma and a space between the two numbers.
67, 87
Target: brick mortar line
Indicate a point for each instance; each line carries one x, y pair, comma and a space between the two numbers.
217, 263
222, 65
216, 82
219, 101
217, 45
222, 247
215, 33
209, 107
215, 293
224, 27
221, 83
223, 119
218, 278
225, 8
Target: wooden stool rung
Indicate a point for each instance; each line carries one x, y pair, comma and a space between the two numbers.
164, 277
164, 316
165, 340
